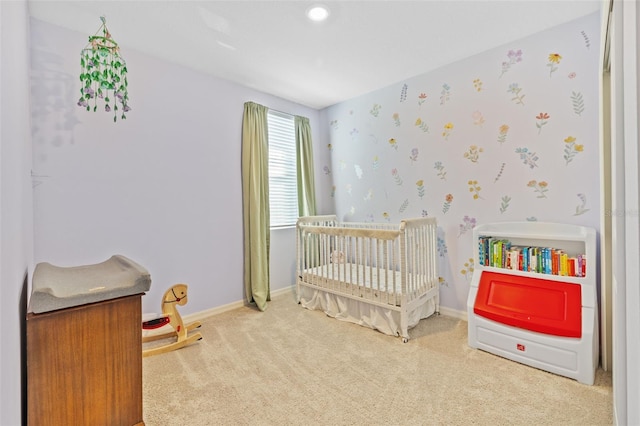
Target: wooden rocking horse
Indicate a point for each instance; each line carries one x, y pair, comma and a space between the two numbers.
176, 295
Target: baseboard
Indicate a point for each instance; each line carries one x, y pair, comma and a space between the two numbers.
461, 315
201, 315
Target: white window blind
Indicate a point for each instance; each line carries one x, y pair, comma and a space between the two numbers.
283, 186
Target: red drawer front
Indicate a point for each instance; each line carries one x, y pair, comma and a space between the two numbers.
540, 305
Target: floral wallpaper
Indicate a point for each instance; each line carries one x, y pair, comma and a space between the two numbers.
510, 134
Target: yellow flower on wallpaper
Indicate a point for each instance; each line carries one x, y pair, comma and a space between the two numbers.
473, 154
571, 149
393, 143
447, 130
422, 125
555, 57
539, 187
503, 130
448, 199
475, 188
420, 185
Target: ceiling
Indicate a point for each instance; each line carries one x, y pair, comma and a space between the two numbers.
272, 47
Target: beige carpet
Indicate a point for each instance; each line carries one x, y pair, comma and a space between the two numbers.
292, 366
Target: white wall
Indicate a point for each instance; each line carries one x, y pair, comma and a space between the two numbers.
162, 187
15, 204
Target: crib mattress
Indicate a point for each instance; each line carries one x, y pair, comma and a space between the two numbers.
56, 287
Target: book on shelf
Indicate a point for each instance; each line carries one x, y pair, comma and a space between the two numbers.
501, 253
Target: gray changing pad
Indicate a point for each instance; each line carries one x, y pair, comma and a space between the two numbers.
56, 287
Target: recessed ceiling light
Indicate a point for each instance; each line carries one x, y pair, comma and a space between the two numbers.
318, 13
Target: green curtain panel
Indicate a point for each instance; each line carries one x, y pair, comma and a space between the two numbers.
304, 168
255, 204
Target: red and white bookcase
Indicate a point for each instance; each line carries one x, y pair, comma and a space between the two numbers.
545, 316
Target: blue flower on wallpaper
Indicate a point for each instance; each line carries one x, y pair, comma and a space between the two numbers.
354, 133
326, 170
445, 94
528, 158
424, 213
442, 173
442, 247
515, 89
334, 124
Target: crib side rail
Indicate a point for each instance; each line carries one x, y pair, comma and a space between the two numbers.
358, 262
418, 250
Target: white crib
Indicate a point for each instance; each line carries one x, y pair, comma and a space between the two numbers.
379, 275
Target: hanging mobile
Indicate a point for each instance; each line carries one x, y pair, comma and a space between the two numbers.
104, 75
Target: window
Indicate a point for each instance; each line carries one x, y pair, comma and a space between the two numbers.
283, 184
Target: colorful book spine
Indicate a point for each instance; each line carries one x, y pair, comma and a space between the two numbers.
500, 253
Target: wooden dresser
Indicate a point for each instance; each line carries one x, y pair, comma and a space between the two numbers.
84, 364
